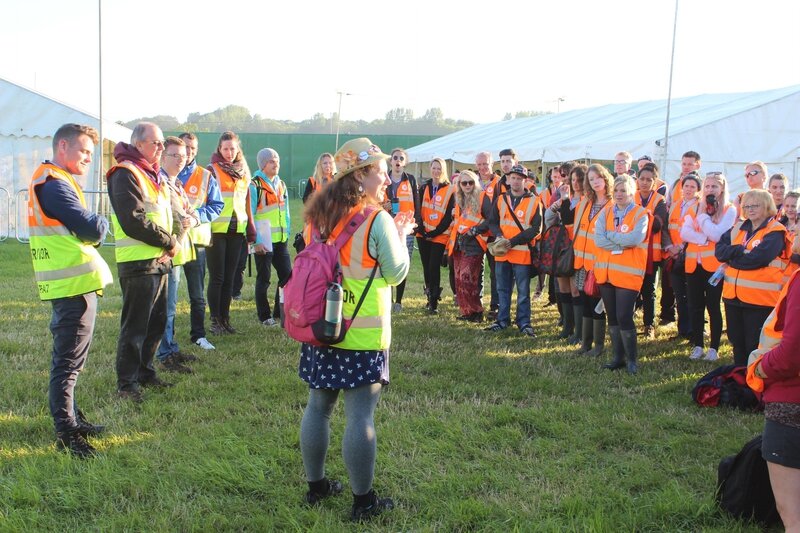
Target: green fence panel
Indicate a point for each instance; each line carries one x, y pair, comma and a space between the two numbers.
298, 151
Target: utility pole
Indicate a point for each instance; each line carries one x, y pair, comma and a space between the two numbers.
339, 117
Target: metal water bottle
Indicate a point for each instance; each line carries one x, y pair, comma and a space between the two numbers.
333, 310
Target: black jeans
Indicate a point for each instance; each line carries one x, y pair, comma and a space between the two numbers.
619, 304
195, 272
72, 326
667, 296
238, 277
744, 328
678, 282
431, 254
282, 261
702, 297
494, 298
142, 322
222, 258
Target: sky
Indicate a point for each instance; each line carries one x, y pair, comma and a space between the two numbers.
474, 60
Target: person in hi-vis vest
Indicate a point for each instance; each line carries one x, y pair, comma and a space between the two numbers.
144, 247
269, 202
516, 219
203, 192
69, 274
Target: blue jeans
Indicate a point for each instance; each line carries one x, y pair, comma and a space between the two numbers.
168, 345
195, 272
508, 274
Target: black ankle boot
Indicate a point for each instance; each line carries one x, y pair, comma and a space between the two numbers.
75, 443
369, 505
86, 428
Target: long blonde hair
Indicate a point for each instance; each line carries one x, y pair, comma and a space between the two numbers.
445, 177
318, 167
469, 203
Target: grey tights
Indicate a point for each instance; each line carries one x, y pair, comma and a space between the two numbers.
359, 443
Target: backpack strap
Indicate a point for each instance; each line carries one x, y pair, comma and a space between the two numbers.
350, 228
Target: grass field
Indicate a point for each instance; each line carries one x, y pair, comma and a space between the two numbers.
477, 431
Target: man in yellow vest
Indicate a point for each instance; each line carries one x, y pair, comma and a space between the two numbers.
69, 273
270, 206
144, 248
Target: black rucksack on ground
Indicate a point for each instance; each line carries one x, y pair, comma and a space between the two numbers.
726, 385
743, 488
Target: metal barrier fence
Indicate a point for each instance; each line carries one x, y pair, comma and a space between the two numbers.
4, 234
96, 201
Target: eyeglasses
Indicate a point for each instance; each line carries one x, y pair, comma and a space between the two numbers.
470, 182
398, 158
751, 207
176, 156
621, 161
157, 143
713, 174
752, 173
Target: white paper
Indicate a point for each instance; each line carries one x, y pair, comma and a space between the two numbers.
264, 229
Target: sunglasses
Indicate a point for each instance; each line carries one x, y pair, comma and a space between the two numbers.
470, 182
753, 173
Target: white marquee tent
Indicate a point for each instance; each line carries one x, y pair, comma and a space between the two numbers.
28, 121
727, 130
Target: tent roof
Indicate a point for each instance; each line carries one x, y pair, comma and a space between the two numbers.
27, 113
596, 132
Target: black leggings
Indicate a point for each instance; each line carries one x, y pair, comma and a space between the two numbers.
589, 303
431, 254
222, 257
619, 305
701, 297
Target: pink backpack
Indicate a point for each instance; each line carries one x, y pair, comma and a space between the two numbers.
314, 269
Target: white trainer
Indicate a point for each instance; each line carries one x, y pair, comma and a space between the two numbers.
712, 355
397, 307
204, 344
270, 322
697, 353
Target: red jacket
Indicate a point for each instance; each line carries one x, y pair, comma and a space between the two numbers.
782, 363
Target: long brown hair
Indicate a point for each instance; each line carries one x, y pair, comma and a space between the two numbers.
332, 203
603, 172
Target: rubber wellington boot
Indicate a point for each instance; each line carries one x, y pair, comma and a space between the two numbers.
617, 348
577, 317
586, 335
629, 343
569, 318
598, 337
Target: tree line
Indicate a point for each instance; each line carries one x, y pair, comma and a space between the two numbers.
397, 121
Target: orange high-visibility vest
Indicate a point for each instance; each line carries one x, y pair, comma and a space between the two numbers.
625, 270
651, 204
703, 252
676, 220
234, 196
762, 285
434, 209
405, 197
770, 337
317, 185
525, 211
196, 190
583, 243
462, 222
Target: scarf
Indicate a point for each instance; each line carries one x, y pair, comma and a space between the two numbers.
127, 152
236, 169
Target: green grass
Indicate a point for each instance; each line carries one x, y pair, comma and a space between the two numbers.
476, 432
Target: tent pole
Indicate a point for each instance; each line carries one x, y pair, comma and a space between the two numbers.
669, 92
100, 91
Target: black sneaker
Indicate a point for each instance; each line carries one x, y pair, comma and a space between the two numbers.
75, 443
378, 505
156, 383
171, 364
86, 428
314, 498
496, 326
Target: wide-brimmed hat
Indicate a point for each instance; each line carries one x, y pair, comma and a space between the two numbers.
357, 153
499, 248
